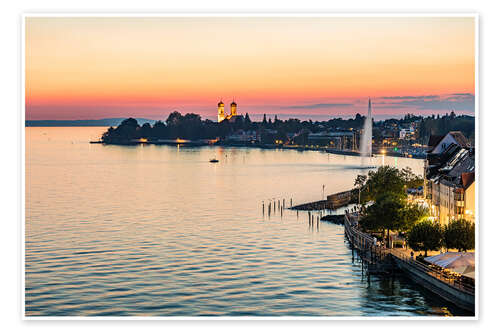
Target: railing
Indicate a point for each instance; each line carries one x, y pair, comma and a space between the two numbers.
364, 241
456, 281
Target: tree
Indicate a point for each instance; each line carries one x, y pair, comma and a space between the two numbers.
359, 183
459, 234
128, 129
174, 118
383, 181
248, 122
146, 130
410, 179
384, 215
159, 130
412, 214
425, 236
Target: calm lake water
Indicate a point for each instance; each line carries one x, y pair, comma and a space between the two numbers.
160, 231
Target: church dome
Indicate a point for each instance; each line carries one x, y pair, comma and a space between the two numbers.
233, 104
220, 104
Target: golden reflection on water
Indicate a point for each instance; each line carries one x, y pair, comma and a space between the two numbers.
158, 230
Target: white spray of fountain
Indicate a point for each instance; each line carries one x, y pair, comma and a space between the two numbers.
366, 138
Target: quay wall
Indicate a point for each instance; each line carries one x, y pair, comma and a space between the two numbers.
255, 145
458, 297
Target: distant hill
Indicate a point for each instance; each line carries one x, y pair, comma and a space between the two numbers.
88, 122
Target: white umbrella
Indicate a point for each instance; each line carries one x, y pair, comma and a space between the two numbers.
459, 262
464, 269
437, 259
465, 259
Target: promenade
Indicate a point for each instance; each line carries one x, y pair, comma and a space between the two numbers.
451, 286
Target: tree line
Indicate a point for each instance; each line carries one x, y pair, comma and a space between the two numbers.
190, 126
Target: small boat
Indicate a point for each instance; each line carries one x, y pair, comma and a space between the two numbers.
214, 160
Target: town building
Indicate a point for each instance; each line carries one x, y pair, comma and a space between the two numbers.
439, 144
242, 136
339, 139
450, 178
407, 133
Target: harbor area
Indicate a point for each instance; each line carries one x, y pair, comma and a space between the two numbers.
457, 288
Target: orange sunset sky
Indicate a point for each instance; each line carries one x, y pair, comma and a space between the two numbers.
105, 67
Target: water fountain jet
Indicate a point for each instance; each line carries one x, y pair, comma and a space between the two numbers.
366, 137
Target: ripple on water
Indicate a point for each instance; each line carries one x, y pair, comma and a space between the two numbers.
196, 243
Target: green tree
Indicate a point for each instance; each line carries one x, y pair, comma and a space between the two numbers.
386, 180
412, 214
410, 179
459, 234
384, 215
425, 236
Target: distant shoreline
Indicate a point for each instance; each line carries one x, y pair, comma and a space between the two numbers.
261, 146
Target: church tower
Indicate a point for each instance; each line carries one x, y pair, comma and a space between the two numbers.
220, 112
233, 109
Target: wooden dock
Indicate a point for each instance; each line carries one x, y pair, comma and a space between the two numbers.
333, 201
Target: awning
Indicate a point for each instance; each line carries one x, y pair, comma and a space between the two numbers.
459, 262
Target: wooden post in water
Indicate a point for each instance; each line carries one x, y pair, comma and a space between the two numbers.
362, 268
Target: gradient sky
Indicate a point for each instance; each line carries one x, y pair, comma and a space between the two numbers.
91, 68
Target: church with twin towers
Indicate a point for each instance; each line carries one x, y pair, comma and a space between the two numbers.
231, 117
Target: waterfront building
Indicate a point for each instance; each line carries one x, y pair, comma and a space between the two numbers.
232, 116
450, 178
339, 139
242, 136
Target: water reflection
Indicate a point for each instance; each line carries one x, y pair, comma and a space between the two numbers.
160, 231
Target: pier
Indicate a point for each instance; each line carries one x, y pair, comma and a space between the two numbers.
333, 201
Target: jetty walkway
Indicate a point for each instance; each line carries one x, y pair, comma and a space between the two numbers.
380, 260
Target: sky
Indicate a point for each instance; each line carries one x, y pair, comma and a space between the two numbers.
107, 67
